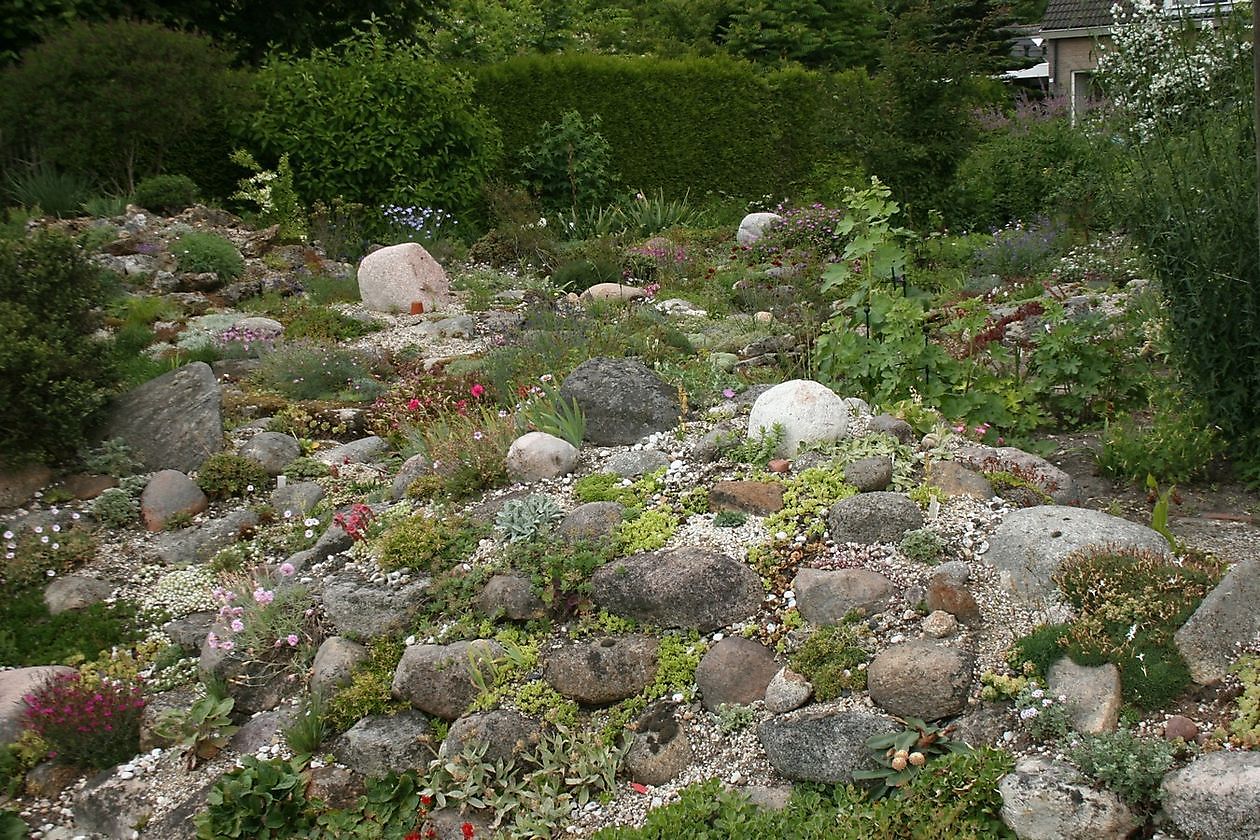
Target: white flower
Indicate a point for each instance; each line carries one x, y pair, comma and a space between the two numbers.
8, 535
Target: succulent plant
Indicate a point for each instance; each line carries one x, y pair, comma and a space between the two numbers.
523, 520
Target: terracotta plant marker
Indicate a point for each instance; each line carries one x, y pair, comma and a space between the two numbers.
417, 307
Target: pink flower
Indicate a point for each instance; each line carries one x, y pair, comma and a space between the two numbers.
728, 392
478, 390
413, 404
292, 639
264, 596
237, 625
286, 569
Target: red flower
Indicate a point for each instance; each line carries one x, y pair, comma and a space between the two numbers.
467, 830
477, 390
412, 835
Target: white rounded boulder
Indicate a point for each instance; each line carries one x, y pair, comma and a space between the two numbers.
537, 455
808, 411
393, 278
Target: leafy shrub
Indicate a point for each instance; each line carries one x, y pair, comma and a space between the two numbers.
957, 800
93, 725
830, 659
1019, 251
467, 452
1130, 766
115, 508
122, 100
53, 376
369, 690
568, 166
560, 571
262, 799
166, 194
226, 474
198, 252
418, 136
1177, 444
274, 195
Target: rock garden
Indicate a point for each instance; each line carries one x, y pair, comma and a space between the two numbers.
411, 552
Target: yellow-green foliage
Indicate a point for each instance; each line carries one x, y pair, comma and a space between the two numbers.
1246, 726
1000, 686
369, 690
677, 657
830, 659
610, 487
924, 494
646, 532
538, 699
426, 543
807, 497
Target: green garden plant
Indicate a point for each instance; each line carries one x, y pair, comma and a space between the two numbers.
1131, 766
568, 167
419, 136
903, 755
202, 731
831, 657
527, 519
92, 725
225, 475
166, 194
200, 252
54, 376
263, 799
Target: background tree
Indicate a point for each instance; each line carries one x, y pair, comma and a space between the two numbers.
832, 34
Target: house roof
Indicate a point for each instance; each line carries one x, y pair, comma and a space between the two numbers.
1077, 14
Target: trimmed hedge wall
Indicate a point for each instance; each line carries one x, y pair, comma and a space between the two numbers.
698, 125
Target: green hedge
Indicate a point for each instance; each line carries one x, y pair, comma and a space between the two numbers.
698, 124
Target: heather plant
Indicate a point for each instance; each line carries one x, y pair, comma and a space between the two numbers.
92, 725
198, 252
803, 235
306, 371
1020, 251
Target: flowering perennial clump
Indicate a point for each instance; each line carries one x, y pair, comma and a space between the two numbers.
93, 724
420, 224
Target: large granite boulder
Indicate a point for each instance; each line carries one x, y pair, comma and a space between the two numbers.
920, 679
1216, 795
437, 679
392, 278
1031, 543
820, 744
686, 587
808, 412
623, 401
1224, 623
602, 671
1048, 800
880, 517
172, 422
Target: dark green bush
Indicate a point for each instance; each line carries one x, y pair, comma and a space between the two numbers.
1045, 167
53, 377
376, 123
122, 100
166, 194
830, 660
684, 125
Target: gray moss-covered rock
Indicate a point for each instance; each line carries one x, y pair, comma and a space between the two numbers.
172, 422
1049, 800
1223, 624
363, 609
382, 744
622, 399
437, 679
590, 522
686, 587
822, 745
273, 451
880, 517
1215, 796
604, 670
735, 671
506, 733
